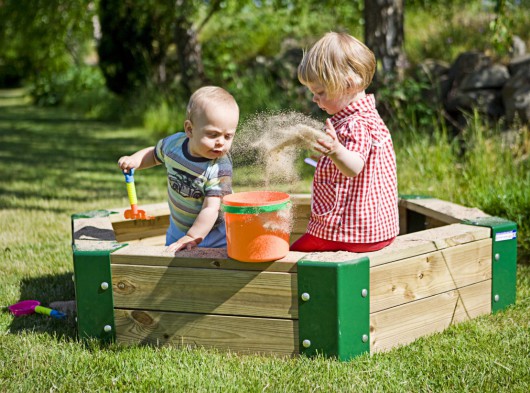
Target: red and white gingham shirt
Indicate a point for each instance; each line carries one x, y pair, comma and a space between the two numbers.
363, 209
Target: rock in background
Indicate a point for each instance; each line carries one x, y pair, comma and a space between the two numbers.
474, 82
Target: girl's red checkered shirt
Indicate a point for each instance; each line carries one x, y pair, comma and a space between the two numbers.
361, 209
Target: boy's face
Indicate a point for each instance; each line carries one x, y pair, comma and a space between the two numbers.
327, 103
212, 132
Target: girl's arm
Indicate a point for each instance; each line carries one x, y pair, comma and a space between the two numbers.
142, 159
201, 227
349, 162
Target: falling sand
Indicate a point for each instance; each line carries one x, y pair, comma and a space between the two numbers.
272, 143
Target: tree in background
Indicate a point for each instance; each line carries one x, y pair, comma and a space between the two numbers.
152, 42
384, 33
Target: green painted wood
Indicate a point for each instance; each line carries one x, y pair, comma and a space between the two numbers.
504, 259
94, 300
334, 308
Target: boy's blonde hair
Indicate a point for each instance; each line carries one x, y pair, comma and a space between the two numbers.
208, 95
338, 62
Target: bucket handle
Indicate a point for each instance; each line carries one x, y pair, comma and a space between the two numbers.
255, 209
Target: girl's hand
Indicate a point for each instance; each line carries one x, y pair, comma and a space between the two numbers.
185, 242
328, 146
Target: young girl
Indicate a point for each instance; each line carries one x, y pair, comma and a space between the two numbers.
354, 204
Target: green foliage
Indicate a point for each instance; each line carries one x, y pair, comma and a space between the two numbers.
493, 174
67, 85
443, 30
43, 39
253, 48
406, 104
164, 118
502, 26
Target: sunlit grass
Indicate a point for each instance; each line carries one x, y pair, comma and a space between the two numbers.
74, 170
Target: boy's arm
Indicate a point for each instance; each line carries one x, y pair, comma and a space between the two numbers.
142, 159
349, 162
201, 227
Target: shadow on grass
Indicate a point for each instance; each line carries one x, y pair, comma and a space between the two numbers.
46, 289
50, 154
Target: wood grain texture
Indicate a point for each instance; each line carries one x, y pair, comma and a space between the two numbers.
126, 230
404, 324
415, 278
237, 334
228, 292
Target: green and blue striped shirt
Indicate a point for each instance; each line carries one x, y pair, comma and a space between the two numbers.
191, 179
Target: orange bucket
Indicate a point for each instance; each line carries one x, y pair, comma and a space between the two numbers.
258, 225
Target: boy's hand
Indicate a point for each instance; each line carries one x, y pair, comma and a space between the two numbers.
142, 159
126, 163
328, 146
185, 242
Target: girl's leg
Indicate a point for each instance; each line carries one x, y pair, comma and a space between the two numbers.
310, 243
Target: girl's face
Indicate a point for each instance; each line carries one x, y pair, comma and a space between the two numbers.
329, 104
212, 131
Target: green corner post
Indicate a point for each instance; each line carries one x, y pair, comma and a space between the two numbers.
93, 289
334, 308
504, 259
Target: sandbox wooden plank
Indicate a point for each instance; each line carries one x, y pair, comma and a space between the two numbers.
404, 324
443, 211
402, 219
236, 334
154, 209
412, 244
415, 278
228, 292
206, 258
159, 240
126, 230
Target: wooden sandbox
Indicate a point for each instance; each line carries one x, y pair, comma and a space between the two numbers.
449, 264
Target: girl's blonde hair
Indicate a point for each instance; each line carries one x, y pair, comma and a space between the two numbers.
208, 95
338, 62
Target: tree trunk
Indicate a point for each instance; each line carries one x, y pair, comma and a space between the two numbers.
384, 34
190, 56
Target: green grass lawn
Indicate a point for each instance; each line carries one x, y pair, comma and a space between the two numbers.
53, 164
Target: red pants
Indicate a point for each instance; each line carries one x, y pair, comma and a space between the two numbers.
310, 243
